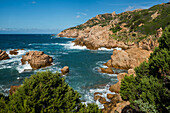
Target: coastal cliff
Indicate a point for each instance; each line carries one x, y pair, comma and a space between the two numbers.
140, 28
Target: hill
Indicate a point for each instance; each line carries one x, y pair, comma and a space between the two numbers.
123, 30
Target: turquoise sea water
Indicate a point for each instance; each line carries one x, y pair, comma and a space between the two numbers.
84, 64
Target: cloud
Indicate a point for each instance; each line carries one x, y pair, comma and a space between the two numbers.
33, 2
80, 13
129, 8
78, 16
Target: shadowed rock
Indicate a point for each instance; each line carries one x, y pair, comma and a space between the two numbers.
3, 55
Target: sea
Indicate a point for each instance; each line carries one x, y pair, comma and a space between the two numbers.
84, 64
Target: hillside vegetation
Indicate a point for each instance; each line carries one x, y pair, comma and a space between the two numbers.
134, 25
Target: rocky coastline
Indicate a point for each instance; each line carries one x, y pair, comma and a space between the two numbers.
133, 53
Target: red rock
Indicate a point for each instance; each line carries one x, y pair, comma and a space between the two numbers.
97, 97
115, 88
65, 70
130, 58
102, 100
13, 52
37, 59
110, 96
107, 70
108, 63
3, 55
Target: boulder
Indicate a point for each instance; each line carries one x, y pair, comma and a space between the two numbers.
13, 89
37, 59
3, 55
107, 70
13, 52
65, 70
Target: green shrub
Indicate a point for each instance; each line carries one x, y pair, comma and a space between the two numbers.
127, 90
45, 92
152, 81
116, 29
145, 107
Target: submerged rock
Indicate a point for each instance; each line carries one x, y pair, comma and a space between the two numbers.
3, 55
65, 70
37, 59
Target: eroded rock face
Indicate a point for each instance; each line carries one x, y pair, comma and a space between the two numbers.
37, 59
131, 58
3, 55
65, 70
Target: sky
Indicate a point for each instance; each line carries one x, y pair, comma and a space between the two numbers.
52, 16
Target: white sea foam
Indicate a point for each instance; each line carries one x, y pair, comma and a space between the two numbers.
70, 45
43, 44
26, 67
4, 90
5, 67
117, 48
105, 49
89, 97
9, 61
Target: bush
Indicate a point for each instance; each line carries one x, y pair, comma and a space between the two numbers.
116, 29
44, 92
149, 90
127, 90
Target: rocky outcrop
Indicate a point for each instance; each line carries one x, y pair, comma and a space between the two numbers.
15, 51
107, 70
150, 44
3, 55
159, 32
127, 59
116, 104
37, 59
65, 70
13, 89
120, 76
